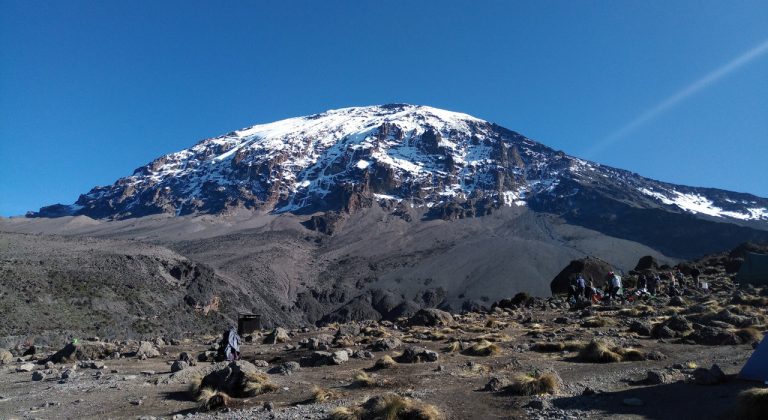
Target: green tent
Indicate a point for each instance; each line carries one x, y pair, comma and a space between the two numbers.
754, 269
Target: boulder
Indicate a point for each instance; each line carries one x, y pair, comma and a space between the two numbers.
278, 335
417, 355
6, 357
232, 379
26, 367
640, 328
431, 318
496, 385
711, 376
647, 263
89, 350
325, 358
589, 267
714, 336
38, 376
179, 365
147, 350
385, 344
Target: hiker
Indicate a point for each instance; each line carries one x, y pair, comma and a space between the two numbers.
581, 285
653, 283
615, 285
229, 347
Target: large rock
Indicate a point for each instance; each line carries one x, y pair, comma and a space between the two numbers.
147, 350
231, 379
713, 336
278, 335
432, 318
179, 365
647, 263
325, 358
417, 355
5, 357
385, 344
88, 350
589, 267
711, 376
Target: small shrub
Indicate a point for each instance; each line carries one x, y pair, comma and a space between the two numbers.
598, 352
385, 362
321, 394
536, 384
482, 349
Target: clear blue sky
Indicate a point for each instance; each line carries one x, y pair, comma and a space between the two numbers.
91, 90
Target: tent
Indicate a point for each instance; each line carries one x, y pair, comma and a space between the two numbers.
754, 269
756, 368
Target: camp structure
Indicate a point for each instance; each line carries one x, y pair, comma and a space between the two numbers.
756, 368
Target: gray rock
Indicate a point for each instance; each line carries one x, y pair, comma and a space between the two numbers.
26, 367
417, 355
385, 344
147, 350
432, 318
179, 365
711, 376
38, 376
6, 357
278, 335
640, 328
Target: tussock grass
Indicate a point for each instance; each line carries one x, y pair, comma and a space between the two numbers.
211, 400
320, 394
256, 383
600, 352
534, 384
482, 349
596, 322
452, 347
558, 346
749, 335
388, 407
752, 404
385, 362
362, 380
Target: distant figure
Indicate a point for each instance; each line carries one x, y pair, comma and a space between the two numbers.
229, 347
653, 283
615, 285
581, 285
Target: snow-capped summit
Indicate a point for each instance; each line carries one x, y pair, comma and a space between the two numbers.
400, 156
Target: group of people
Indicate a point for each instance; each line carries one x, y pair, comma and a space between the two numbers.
673, 283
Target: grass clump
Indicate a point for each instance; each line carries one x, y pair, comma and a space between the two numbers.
211, 400
596, 322
385, 362
320, 394
362, 380
452, 347
752, 404
482, 349
256, 383
557, 346
534, 384
388, 407
598, 352
749, 335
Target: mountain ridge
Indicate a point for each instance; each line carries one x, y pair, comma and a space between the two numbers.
390, 154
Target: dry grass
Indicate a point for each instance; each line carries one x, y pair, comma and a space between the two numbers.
556, 347
598, 352
388, 407
637, 311
749, 335
752, 404
534, 384
482, 348
452, 347
256, 383
495, 337
385, 362
211, 400
596, 322
321, 394
362, 380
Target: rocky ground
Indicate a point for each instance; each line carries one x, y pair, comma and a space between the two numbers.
662, 358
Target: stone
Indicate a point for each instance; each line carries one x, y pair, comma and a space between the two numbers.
261, 363
417, 355
185, 357
26, 367
6, 357
658, 377
38, 376
385, 344
147, 350
711, 376
179, 365
495, 385
640, 328
432, 318
278, 335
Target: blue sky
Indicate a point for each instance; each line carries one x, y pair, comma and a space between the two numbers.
676, 91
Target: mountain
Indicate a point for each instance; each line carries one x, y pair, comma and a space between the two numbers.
418, 161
